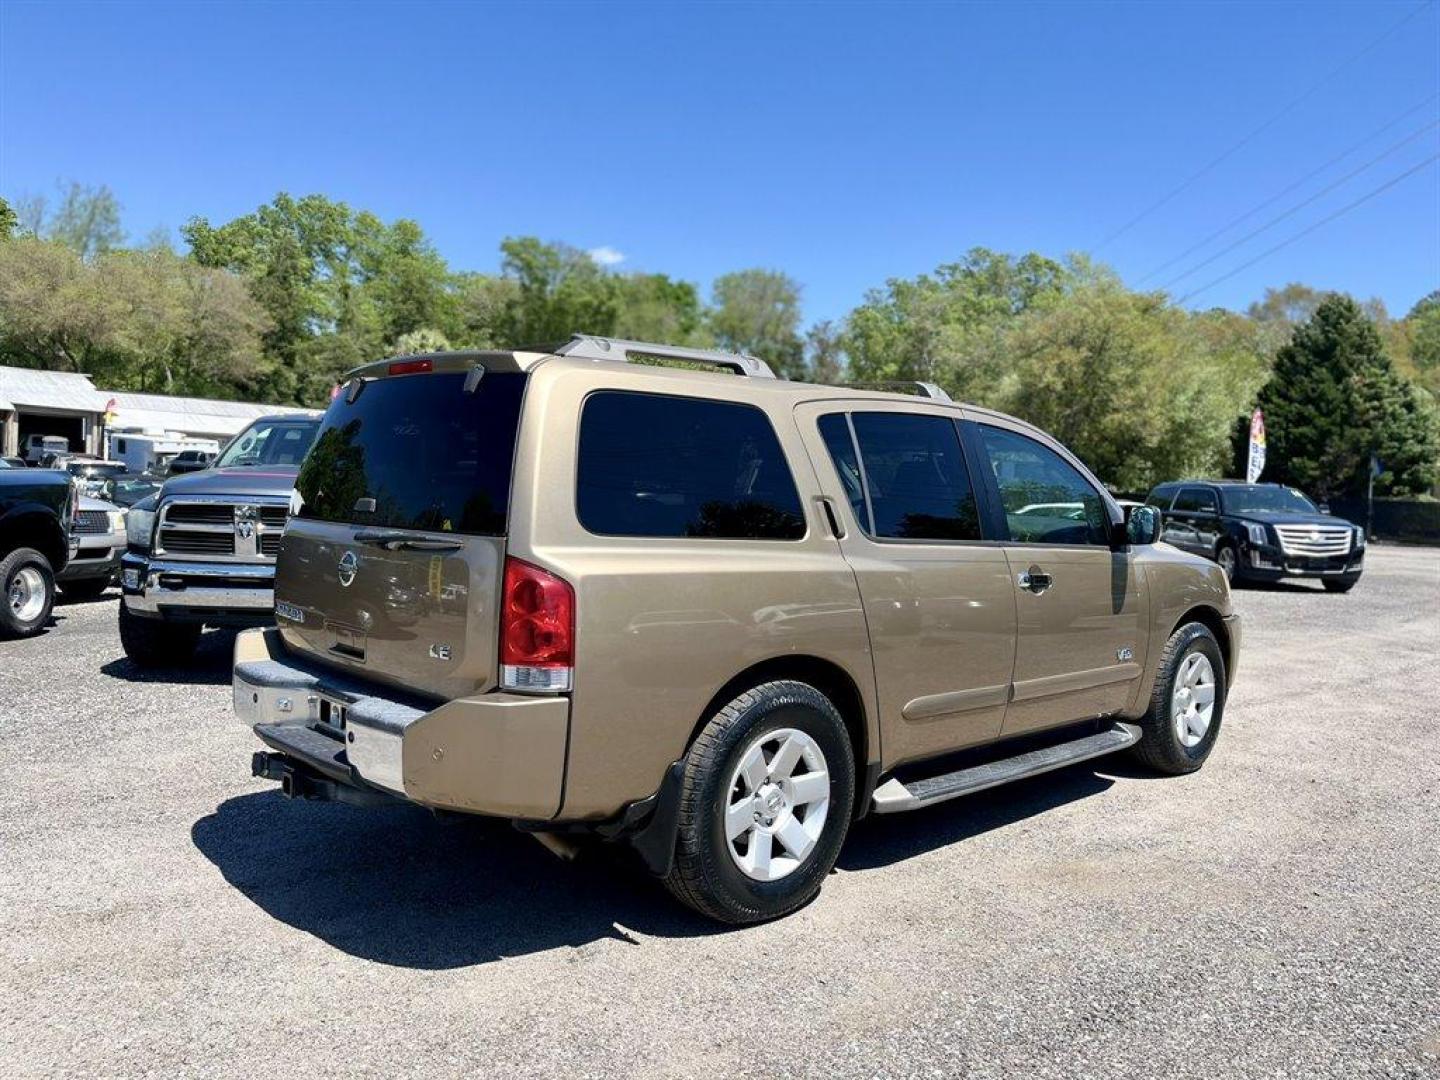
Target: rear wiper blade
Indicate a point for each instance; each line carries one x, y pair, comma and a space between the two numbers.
404, 541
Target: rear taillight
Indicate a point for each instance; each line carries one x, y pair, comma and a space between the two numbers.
411, 367
537, 630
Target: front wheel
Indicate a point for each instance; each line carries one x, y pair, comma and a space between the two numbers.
27, 593
765, 804
1187, 703
156, 643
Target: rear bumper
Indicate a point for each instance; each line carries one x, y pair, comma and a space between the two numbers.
228, 594
497, 753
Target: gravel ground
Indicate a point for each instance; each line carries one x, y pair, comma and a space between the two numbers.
1274, 915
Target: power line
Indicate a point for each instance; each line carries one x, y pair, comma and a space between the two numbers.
1311, 228
1247, 139
1303, 203
1286, 190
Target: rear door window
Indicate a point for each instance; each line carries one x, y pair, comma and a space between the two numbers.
1196, 501
417, 452
655, 465
916, 477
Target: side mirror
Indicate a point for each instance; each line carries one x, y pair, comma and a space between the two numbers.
1142, 525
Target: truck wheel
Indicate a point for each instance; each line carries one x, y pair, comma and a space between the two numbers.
764, 804
1186, 705
1229, 560
156, 643
27, 593
84, 589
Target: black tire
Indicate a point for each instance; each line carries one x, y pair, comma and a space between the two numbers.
156, 643
11, 567
1160, 747
84, 589
1340, 585
1229, 560
704, 874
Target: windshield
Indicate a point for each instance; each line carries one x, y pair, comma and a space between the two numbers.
1266, 499
95, 468
279, 441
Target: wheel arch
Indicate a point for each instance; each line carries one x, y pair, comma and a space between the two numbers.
830, 679
35, 528
1212, 620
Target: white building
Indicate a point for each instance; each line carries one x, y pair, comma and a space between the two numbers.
34, 402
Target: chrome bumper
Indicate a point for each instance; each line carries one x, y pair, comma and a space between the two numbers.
95, 555
151, 584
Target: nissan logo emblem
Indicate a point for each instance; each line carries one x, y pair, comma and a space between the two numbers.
349, 563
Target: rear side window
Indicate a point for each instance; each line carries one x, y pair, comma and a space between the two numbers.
915, 472
652, 465
417, 452
1160, 498
1196, 501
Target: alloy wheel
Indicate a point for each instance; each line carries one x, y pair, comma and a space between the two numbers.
1192, 701
779, 799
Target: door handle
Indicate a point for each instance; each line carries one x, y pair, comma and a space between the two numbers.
1034, 579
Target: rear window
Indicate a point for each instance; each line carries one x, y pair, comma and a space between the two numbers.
652, 465
417, 452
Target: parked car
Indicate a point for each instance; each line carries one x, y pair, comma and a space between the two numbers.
188, 461
95, 565
201, 551
715, 618
35, 447
37, 509
93, 473
127, 489
13, 463
1261, 532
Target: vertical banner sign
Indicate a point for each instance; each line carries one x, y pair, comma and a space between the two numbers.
1256, 463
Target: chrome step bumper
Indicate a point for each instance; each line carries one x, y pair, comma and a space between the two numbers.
893, 796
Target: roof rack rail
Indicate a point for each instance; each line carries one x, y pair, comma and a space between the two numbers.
913, 386
589, 347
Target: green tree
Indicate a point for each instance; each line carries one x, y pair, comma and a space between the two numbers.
758, 312
949, 327
560, 291
87, 220
824, 353
1334, 399
1422, 327
9, 220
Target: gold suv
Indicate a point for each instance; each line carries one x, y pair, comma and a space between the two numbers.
717, 616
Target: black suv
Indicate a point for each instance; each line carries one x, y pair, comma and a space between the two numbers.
1260, 532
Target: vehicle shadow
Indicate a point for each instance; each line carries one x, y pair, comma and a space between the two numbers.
209, 666
69, 600
883, 839
398, 886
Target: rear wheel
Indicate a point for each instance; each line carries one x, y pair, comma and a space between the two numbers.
27, 593
1187, 703
156, 643
1229, 561
765, 804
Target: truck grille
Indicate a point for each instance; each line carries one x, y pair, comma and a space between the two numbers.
224, 531
1315, 541
91, 522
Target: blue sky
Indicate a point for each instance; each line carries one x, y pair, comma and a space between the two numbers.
842, 143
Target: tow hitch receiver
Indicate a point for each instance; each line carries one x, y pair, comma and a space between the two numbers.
299, 781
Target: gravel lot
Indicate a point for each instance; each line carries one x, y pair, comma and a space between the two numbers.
1274, 915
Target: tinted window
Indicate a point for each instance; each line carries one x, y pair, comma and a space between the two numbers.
1046, 499
835, 430
417, 452
652, 465
915, 472
1161, 497
1195, 500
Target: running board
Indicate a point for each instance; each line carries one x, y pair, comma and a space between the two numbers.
893, 796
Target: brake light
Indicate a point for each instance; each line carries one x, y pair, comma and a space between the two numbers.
411, 367
537, 630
